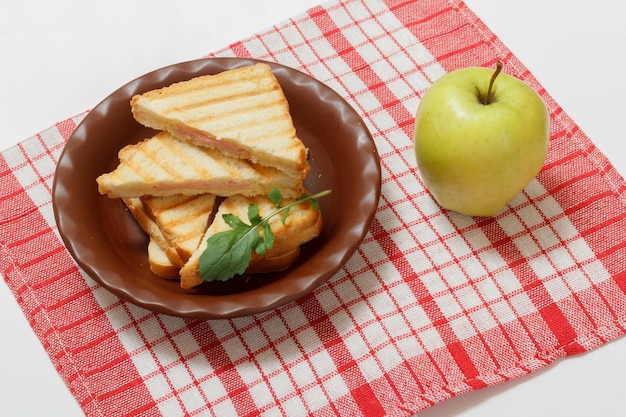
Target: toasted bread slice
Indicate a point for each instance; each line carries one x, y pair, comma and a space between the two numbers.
181, 219
163, 165
302, 225
273, 262
162, 267
241, 112
160, 263
175, 225
153, 231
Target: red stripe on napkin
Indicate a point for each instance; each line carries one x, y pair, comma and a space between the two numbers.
62, 310
433, 304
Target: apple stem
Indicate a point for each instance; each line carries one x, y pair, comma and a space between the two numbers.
490, 93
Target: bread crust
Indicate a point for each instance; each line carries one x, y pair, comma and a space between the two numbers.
225, 139
181, 219
160, 263
303, 224
242, 113
164, 165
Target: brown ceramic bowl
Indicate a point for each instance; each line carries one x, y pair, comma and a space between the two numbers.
109, 245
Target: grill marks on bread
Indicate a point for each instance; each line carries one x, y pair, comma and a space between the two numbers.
178, 227
303, 224
226, 140
163, 165
242, 112
182, 219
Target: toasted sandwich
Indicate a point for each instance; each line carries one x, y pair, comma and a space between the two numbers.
174, 249
157, 238
175, 224
160, 263
164, 165
241, 112
301, 225
181, 219
226, 142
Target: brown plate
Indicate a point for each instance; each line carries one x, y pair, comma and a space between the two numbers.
109, 245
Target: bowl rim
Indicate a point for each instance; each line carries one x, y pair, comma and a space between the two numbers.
80, 244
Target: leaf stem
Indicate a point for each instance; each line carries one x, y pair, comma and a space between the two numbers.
265, 220
294, 203
228, 252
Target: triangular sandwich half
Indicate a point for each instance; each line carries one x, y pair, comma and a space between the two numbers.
164, 165
241, 112
302, 225
182, 219
174, 224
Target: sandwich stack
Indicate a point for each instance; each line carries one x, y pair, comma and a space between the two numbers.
225, 141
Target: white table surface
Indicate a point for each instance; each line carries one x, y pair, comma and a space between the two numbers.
60, 58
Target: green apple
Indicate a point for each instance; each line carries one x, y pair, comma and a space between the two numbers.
480, 137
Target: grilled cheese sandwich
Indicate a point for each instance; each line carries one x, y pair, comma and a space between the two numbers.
301, 225
164, 165
226, 141
242, 113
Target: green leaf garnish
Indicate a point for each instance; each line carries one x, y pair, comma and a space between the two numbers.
275, 197
228, 253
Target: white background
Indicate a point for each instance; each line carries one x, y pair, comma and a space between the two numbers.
60, 58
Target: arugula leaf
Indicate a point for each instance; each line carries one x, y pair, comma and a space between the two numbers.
314, 203
233, 221
283, 218
228, 253
268, 238
253, 214
276, 197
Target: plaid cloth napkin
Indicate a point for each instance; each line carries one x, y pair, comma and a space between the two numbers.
433, 304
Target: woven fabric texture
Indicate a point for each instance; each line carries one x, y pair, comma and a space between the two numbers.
433, 304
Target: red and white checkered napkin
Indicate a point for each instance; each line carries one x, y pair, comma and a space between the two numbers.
433, 304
